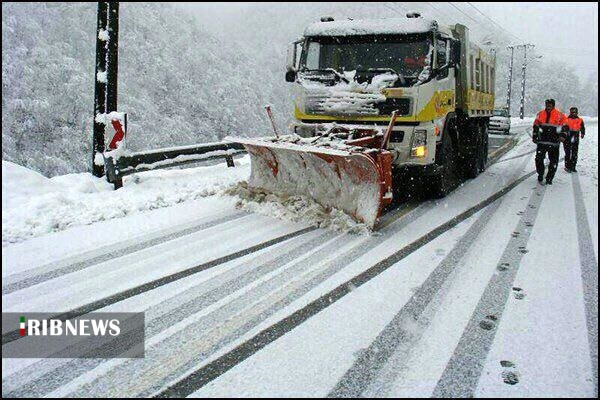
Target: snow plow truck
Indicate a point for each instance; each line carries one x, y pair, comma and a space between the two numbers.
376, 100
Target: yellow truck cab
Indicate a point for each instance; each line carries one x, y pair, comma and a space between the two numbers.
355, 73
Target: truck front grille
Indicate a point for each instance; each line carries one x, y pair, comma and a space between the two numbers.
343, 103
400, 104
351, 103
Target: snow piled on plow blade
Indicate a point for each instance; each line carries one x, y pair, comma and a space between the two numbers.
336, 179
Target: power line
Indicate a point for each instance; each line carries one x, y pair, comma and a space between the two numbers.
434, 7
494, 22
465, 14
480, 22
393, 8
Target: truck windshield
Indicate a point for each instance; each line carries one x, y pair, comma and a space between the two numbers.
405, 54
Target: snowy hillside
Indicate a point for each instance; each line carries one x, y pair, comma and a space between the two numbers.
179, 84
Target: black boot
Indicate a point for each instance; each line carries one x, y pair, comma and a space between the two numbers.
548, 181
540, 178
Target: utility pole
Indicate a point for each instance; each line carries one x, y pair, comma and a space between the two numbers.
99, 89
112, 66
510, 75
105, 77
524, 68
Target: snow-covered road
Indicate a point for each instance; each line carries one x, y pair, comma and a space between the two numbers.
455, 297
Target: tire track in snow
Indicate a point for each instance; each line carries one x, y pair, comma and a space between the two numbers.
517, 156
394, 337
117, 297
234, 317
224, 363
47, 272
49, 375
210, 313
400, 332
326, 269
589, 275
463, 370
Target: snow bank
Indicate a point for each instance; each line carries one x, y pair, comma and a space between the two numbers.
294, 208
33, 205
516, 121
20, 183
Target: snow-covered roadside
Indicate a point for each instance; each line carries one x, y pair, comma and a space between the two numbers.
33, 205
516, 121
587, 166
86, 242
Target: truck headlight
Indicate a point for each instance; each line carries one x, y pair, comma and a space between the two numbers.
419, 144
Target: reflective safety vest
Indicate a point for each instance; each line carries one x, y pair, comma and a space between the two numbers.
574, 124
550, 125
555, 119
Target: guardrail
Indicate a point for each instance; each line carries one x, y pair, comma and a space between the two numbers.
117, 166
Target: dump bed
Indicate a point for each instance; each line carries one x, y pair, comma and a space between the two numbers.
477, 77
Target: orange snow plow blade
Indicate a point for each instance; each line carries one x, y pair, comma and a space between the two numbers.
356, 182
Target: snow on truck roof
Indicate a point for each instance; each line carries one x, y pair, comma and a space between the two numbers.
370, 27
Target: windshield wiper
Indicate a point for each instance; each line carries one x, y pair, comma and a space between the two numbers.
338, 74
398, 74
334, 71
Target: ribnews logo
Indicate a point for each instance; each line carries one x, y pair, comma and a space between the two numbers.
57, 327
53, 335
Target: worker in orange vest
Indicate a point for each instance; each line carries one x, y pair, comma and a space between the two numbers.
571, 145
549, 129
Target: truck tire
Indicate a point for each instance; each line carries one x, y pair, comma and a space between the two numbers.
446, 179
475, 152
485, 138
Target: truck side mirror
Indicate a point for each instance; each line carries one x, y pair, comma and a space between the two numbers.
291, 61
290, 76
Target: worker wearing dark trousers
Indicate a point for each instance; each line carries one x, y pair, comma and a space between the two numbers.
571, 145
548, 131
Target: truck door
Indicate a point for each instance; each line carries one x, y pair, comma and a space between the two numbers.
444, 80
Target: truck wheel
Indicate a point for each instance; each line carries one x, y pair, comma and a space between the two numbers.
472, 157
446, 179
484, 147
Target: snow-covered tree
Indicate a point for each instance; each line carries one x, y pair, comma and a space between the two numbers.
178, 83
